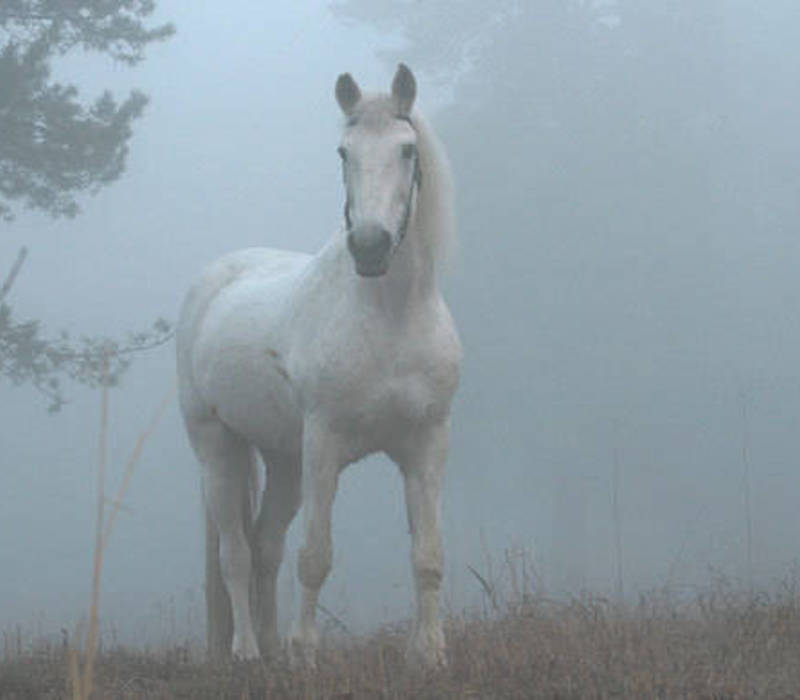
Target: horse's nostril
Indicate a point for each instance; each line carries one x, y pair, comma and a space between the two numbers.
370, 246
384, 242
369, 243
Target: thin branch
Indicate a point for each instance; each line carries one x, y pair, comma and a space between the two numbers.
487, 588
94, 621
111, 351
335, 619
117, 503
130, 349
12, 275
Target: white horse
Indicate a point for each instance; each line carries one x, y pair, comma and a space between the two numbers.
317, 361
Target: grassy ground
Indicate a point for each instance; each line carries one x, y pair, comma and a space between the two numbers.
720, 645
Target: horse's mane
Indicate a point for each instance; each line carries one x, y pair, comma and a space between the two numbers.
435, 213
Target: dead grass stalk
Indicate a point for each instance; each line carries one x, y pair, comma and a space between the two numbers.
81, 676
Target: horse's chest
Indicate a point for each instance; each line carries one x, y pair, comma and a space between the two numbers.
403, 398
390, 409
387, 395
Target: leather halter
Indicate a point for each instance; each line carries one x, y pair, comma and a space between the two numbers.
416, 183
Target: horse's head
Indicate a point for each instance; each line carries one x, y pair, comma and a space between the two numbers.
380, 166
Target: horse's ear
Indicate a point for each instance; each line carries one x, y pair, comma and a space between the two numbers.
348, 93
404, 89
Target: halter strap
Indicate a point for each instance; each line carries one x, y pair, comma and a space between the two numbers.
416, 182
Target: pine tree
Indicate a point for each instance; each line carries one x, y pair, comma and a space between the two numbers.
55, 146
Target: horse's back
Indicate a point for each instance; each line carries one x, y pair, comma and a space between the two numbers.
229, 364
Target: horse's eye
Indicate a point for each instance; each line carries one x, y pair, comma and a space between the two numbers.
342, 153
409, 150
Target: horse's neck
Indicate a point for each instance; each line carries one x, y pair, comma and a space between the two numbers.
409, 281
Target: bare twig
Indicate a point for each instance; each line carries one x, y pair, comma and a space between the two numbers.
487, 587
615, 510
130, 349
12, 274
744, 399
83, 681
117, 503
334, 618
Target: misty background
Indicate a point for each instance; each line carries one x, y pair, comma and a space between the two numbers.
626, 287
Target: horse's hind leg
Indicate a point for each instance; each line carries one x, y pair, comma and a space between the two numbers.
278, 508
226, 461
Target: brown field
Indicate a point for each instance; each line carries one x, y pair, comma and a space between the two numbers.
719, 645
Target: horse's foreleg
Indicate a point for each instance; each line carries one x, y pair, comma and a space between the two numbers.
320, 478
226, 461
278, 508
422, 463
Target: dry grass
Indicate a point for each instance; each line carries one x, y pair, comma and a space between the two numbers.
81, 670
720, 645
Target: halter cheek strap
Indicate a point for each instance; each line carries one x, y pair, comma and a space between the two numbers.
347, 220
416, 184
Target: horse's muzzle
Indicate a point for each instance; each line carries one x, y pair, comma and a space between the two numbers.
370, 246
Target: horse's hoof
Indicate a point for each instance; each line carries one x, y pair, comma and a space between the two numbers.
244, 649
271, 648
302, 654
426, 650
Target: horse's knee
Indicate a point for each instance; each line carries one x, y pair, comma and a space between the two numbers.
314, 564
428, 576
427, 562
270, 555
271, 535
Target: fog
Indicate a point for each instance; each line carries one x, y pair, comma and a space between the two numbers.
625, 285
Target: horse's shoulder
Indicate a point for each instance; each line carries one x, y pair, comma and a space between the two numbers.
439, 328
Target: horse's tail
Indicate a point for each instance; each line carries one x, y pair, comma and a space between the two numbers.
219, 616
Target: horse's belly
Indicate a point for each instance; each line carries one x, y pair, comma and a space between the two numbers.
263, 410
247, 385
238, 366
